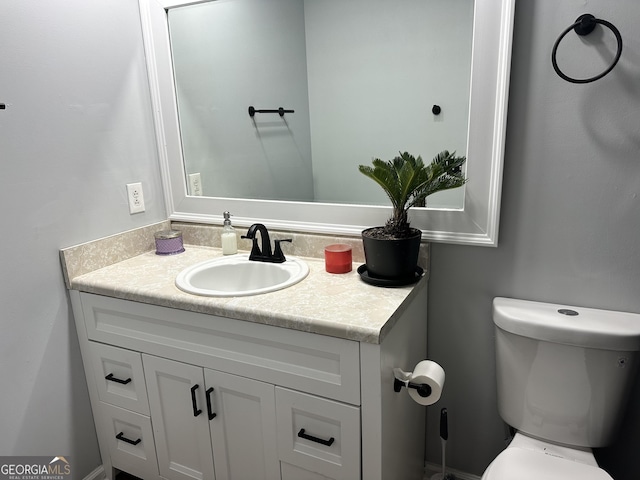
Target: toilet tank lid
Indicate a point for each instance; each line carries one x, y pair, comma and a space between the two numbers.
579, 326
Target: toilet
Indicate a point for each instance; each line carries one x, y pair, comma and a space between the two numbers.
563, 378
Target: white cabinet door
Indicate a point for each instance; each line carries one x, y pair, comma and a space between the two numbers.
243, 433
177, 402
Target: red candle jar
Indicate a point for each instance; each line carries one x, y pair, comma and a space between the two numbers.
337, 258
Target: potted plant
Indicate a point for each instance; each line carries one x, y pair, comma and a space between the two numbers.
391, 251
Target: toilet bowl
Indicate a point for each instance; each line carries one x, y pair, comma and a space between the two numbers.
528, 458
563, 376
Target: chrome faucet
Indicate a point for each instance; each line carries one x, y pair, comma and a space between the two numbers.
264, 254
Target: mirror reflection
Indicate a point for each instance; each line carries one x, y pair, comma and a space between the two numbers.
361, 76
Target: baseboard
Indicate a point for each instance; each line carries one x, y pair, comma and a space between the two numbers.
433, 468
429, 470
97, 474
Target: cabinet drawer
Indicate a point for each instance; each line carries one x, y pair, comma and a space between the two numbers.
293, 472
119, 377
318, 364
319, 435
130, 441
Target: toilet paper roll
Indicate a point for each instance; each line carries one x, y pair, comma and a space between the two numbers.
429, 373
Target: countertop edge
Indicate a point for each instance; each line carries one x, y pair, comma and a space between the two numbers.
90, 267
311, 325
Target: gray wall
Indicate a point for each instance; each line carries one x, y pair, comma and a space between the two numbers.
77, 128
262, 48
569, 229
372, 95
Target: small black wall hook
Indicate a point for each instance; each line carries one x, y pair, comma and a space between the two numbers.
2, 106
585, 24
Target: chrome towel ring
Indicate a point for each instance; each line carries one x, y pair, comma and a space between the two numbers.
584, 25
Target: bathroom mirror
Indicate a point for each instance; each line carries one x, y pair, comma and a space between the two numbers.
472, 118
372, 96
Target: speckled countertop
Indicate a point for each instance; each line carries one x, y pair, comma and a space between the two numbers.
329, 304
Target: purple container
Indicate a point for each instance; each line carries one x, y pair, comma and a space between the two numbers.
169, 242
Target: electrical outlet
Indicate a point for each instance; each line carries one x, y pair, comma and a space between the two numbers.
136, 198
195, 184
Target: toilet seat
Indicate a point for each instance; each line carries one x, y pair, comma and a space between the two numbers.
523, 464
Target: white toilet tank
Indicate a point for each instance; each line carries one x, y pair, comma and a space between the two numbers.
564, 373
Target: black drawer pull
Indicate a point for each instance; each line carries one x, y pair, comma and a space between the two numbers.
328, 443
111, 378
196, 410
121, 436
209, 409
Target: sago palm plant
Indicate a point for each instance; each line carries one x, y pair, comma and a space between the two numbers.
407, 181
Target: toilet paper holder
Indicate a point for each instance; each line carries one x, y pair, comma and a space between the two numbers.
423, 389
424, 384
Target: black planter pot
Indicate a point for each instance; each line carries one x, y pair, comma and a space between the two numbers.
391, 259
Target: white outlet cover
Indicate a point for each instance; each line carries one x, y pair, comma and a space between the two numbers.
195, 184
135, 197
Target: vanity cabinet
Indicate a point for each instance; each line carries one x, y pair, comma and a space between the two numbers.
180, 395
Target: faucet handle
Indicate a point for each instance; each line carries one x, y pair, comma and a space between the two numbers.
278, 255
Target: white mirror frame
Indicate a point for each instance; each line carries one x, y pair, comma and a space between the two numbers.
476, 224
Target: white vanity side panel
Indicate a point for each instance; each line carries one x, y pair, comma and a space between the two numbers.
85, 351
318, 364
371, 412
393, 425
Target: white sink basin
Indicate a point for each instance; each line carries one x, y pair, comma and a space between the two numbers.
237, 276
